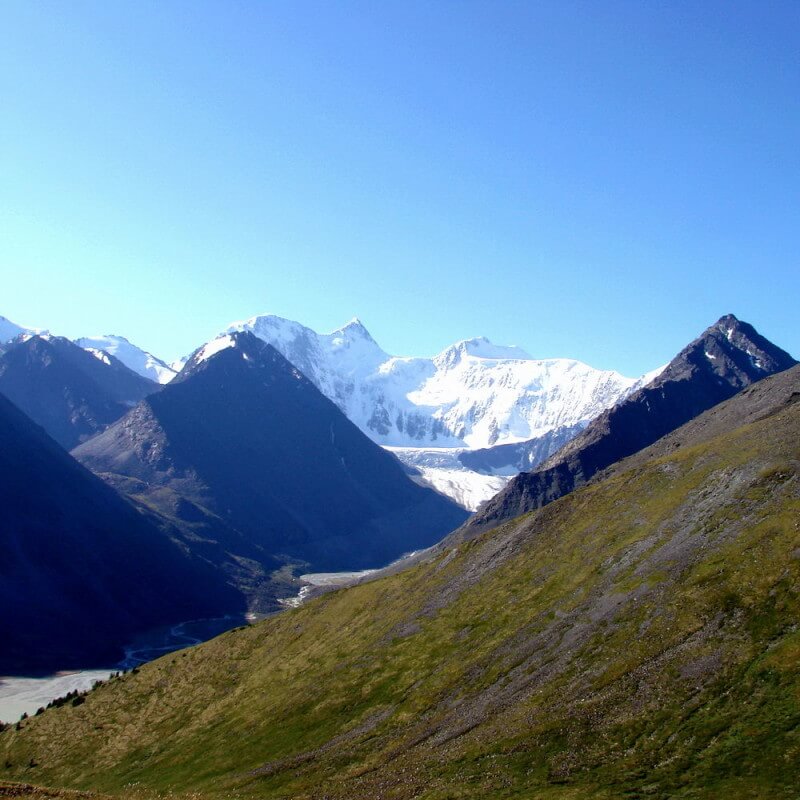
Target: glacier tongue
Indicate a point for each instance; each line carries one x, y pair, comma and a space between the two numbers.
441, 469
473, 394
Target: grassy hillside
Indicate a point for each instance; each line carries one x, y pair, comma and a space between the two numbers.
637, 638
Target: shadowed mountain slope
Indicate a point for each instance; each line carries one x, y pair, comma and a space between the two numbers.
242, 434
635, 638
727, 357
81, 569
69, 392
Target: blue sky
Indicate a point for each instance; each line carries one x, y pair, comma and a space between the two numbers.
593, 180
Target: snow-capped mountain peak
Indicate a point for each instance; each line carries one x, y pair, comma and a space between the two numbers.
133, 357
473, 394
479, 347
10, 330
353, 328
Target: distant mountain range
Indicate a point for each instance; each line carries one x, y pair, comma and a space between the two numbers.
133, 357
432, 413
473, 394
429, 411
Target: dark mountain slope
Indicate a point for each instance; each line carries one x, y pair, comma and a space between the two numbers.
724, 359
243, 434
66, 390
81, 569
637, 638
758, 401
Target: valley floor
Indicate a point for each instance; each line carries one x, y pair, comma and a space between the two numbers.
24, 694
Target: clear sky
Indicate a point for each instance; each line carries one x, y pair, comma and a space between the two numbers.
592, 180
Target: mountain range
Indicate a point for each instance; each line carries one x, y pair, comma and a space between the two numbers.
133, 357
473, 394
243, 435
67, 391
725, 358
432, 413
636, 637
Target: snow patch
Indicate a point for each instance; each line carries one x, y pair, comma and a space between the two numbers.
100, 355
215, 346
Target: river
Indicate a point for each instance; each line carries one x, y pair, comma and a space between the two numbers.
20, 694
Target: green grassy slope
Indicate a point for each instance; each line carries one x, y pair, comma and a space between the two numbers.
637, 638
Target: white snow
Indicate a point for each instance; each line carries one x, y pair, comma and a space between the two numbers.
710, 356
178, 364
215, 346
10, 330
441, 469
133, 357
473, 394
101, 355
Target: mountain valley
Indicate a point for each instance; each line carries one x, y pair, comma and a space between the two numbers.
635, 637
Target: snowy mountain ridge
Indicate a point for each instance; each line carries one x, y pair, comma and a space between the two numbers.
431, 412
472, 394
10, 330
133, 357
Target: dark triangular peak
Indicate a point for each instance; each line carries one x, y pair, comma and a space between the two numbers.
237, 351
242, 433
732, 350
69, 392
725, 358
82, 570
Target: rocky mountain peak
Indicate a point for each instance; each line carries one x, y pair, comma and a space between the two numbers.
732, 350
240, 349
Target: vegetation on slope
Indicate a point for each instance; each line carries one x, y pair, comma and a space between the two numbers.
636, 638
